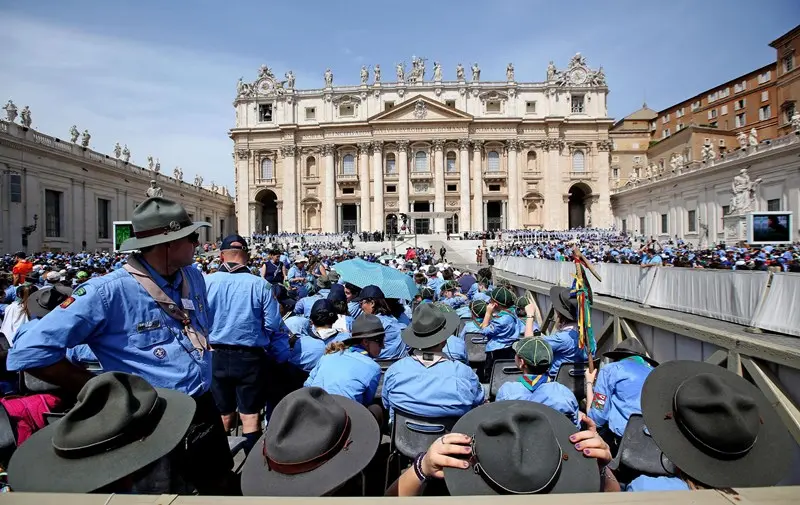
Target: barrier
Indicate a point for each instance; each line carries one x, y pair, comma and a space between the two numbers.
780, 310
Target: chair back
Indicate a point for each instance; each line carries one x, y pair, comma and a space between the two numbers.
413, 434
638, 454
572, 375
476, 347
503, 370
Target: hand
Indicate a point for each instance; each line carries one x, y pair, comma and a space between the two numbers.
490, 307
531, 310
589, 443
590, 376
438, 455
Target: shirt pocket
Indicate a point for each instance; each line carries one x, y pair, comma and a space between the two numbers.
149, 338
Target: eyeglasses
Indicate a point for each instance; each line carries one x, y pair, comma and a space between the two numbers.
193, 238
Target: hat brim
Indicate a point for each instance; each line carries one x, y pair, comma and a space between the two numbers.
558, 305
764, 465
578, 473
258, 480
135, 244
622, 354
36, 310
450, 326
36, 468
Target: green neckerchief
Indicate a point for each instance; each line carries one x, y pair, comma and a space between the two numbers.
638, 359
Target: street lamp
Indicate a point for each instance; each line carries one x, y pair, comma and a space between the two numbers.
27, 230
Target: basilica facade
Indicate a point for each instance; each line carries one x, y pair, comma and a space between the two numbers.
481, 155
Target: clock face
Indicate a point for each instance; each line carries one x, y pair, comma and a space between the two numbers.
266, 85
578, 76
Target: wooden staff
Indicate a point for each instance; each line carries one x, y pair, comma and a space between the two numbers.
578, 254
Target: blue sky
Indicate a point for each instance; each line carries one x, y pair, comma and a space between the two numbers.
161, 75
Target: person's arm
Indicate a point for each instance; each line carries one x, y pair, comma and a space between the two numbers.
70, 377
488, 317
589, 443
432, 464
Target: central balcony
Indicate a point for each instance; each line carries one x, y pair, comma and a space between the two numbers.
347, 179
494, 175
421, 176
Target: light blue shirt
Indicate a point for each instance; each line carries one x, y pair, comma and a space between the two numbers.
565, 348
448, 388
618, 393
393, 345
298, 325
243, 308
308, 349
296, 272
647, 483
354, 309
470, 327
456, 349
481, 295
127, 331
435, 283
348, 373
454, 302
501, 331
464, 312
552, 394
303, 305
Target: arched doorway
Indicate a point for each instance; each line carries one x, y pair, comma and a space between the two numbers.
578, 196
267, 219
391, 224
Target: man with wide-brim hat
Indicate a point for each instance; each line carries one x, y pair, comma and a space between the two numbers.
149, 318
428, 383
314, 444
714, 426
564, 338
119, 427
616, 393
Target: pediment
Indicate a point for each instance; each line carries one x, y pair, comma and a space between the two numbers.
420, 109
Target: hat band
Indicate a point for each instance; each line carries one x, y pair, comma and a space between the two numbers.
142, 430
171, 227
434, 331
480, 470
306, 466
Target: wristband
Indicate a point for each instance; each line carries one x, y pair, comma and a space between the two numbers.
418, 468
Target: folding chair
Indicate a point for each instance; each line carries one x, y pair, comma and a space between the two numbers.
638, 454
572, 376
476, 348
503, 370
28, 385
385, 363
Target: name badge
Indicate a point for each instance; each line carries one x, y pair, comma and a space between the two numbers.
150, 325
187, 304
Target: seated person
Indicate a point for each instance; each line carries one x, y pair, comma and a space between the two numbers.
499, 326
564, 341
317, 291
534, 357
455, 348
338, 298
483, 285
451, 296
352, 291
373, 302
477, 310
307, 349
428, 383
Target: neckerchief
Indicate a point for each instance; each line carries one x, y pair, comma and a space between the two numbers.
234, 268
533, 382
505, 311
428, 359
638, 359
325, 333
358, 349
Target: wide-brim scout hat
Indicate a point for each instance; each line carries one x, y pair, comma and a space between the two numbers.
43, 301
429, 327
521, 447
119, 425
628, 348
366, 326
314, 443
158, 220
563, 304
715, 426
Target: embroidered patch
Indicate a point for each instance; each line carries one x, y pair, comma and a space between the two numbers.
159, 352
79, 292
599, 401
150, 325
66, 303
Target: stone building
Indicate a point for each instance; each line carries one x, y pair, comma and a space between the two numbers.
787, 85
487, 154
77, 193
630, 138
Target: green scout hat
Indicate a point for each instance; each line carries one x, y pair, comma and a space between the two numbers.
536, 352
158, 220
478, 308
504, 296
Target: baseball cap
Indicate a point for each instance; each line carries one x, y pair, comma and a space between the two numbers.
322, 309
82, 275
234, 242
373, 292
534, 351
337, 293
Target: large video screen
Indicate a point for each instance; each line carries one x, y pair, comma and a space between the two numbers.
770, 228
123, 230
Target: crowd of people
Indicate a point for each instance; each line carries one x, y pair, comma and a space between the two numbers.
129, 373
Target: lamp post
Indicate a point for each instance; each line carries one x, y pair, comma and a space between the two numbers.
27, 230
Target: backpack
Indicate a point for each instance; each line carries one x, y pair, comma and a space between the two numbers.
21, 417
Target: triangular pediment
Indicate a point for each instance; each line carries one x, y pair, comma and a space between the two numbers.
422, 109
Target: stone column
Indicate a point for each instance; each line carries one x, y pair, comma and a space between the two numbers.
504, 222
360, 228
338, 226
479, 207
251, 219
438, 184
402, 161
363, 176
512, 218
280, 207
465, 223
244, 221
484, 216
377, 188
289, 195
601, 210
329, 193
552, 184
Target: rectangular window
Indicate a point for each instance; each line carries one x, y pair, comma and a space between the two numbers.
739, 87
788, 112
665, 133
739, 104
652, 126
615, 173
695, 105
494, 187
664, 223
530, 107
712, 113
764, 113
347, 110
222, 228
311, 113
390, 165
577, 104
452, 187
615, 159
493, 106
679, 112
774, 205
764, 77
692, 215
641, 225
764, 96
726, 209
624, 226
103, 217
388, 105
665, 119
726, 92
450, 103
678, 127
740, 120
391, 189
52, 211
265, 112
788, 63
348, 191
15, 188
723, 110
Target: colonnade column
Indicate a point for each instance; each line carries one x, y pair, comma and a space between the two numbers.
477, 187
289, 193
363, 181
513, 186
377, 171
465, 223
329, 212
601, 211
358, 217
245, 221
438, 184
402, 160
337, 227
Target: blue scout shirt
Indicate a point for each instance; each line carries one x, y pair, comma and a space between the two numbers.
618, 393
298, 325
435, 283
350, 373
470, 327
243, 309
447, 388
565, 348
296, 272
647, 483
303, 305
552, 394
464, 312
354, 309
393, 345
501, 331
456, 349
127, 331
454, 302
481, 295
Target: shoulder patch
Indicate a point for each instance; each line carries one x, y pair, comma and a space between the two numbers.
599, 401
66, 303
79, 292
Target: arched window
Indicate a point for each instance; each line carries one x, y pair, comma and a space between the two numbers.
494, 161
349, 164
420, 162
578, 161
267, 171
390, 164
450, 165
531, 165
311, 167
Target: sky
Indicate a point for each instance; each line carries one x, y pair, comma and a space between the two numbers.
160, 76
